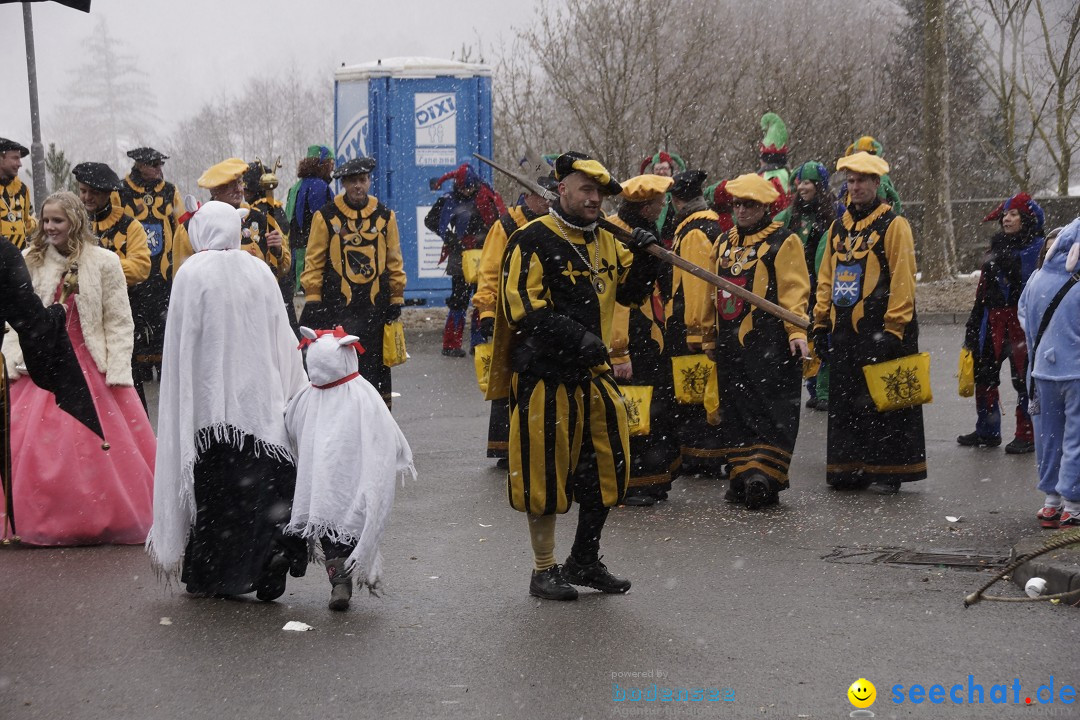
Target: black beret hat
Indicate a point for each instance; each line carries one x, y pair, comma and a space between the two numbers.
572, 162
97, 175
688, 184
147, 155
355, 166
6, 145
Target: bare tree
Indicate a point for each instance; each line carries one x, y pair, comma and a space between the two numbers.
1061, 59
109, 106
938, 246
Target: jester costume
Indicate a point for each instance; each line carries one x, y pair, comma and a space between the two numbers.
462, 218
758, 377
865, 313
993, 331
16, 213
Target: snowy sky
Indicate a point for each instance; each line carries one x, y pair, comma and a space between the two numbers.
196, 48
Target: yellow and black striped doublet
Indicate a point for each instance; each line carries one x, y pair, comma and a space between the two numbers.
569, 437
563, 438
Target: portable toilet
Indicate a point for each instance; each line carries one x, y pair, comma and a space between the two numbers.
419, 118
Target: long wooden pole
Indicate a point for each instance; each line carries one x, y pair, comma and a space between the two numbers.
669, 257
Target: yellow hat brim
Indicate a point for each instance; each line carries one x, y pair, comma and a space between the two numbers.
224, 172
752, 186
646, 187
863, 162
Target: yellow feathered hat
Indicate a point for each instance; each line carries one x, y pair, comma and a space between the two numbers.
863, 162
643, 188
224, 172
752, 186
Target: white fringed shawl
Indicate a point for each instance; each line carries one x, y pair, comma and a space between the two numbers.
349, 452
229, 368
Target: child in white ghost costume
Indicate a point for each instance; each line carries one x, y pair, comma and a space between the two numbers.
349, 453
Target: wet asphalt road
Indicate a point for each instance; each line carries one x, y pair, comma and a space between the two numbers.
742, 602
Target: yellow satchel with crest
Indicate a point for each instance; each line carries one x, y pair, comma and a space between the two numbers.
966, 374
470, 265
689, 374
900, 383
482, 361
638, 399
393, 344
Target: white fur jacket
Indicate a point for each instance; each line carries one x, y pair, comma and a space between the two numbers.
104, 312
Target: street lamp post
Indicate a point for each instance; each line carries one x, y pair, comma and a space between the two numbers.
37, 150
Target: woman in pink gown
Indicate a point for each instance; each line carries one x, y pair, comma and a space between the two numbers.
70, 487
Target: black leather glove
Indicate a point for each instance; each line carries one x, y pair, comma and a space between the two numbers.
487, 327
393, 312
593, 350
641, 239
888, 347
312, 315
820, 338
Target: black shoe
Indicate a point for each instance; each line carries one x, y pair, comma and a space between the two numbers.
272, 583
760, 493
976, 440
1019, 447
736, 493
885, 487
550, 585
503, 463
812, 403
639, 500
822, 405
453, 352
595, 575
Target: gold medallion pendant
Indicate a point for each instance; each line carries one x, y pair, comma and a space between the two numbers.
148, 200
598, 283
736, 268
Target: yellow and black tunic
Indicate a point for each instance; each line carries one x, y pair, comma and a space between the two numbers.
352, 272
118, 231
865, 294
637, 337
485, 300
695, 235
759, 378
16, 213
156, 208
568, 427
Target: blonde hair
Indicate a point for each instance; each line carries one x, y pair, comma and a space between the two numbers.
79, 235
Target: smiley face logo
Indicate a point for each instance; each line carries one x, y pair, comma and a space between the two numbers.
862, 693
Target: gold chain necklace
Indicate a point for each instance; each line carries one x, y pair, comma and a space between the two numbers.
597, 281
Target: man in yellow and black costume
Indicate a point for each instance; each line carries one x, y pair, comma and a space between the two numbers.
486, 299
259, 184
113, 225
697, 228
353, 272
865, 314
758, 356
16, 212
637, 346
156, 204
561, 278
117, 230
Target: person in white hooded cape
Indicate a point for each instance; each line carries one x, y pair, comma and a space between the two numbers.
224, 471
349, 452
